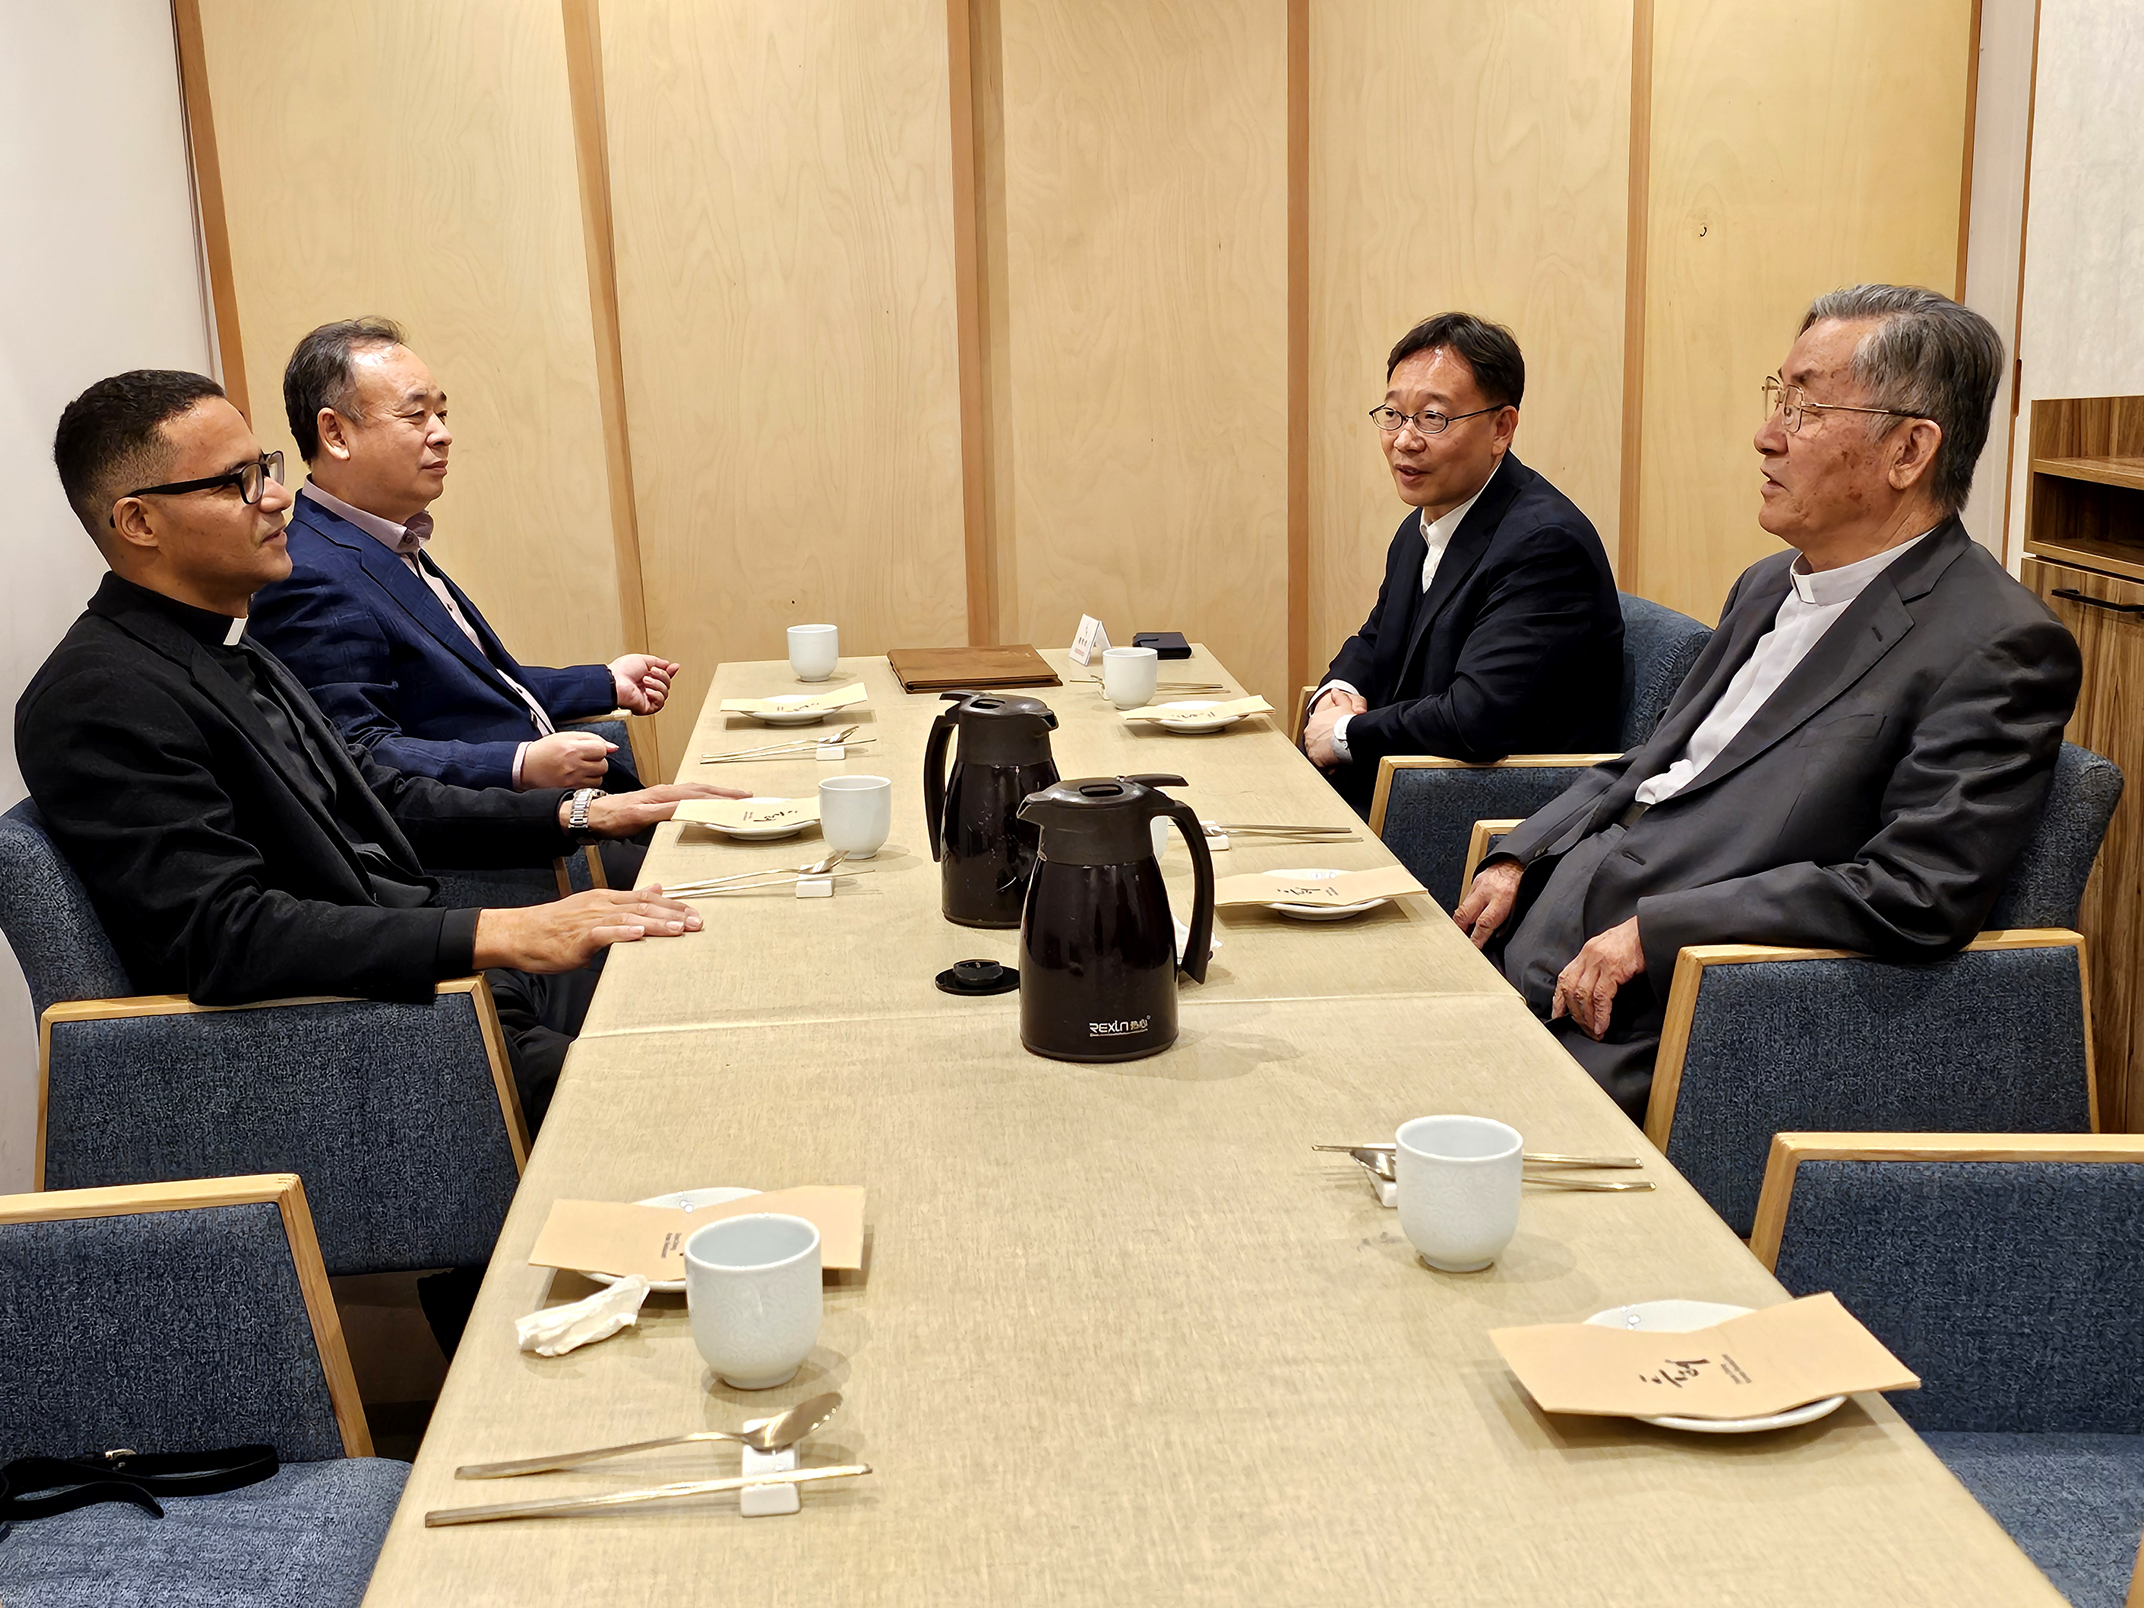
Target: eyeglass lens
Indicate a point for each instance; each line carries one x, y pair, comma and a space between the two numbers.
1390, 419
251, 476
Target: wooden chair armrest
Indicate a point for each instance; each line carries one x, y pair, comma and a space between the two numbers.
1478, 847
590, 720
1691, 964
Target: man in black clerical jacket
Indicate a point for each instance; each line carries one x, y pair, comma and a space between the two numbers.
1497, 629
1862, 750
235, 846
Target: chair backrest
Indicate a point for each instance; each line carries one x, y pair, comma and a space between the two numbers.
2013, 1288
2047, 883
170, 1318
49, 921
1659, 646
1987, 1041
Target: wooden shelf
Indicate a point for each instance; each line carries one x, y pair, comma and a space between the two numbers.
2109, 558
2125, 472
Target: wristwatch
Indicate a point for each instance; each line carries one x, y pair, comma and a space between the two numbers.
577, 817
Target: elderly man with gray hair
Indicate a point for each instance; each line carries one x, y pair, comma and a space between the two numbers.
1860, 754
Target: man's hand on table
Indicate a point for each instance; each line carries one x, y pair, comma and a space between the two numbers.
619, 815
565, 934
1324, 715
1585, 991
1488, 902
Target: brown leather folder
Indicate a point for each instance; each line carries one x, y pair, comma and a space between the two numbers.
938, 669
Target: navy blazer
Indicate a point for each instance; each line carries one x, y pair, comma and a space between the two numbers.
385, 660
1517, 647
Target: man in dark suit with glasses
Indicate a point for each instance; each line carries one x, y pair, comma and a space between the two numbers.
1497, 629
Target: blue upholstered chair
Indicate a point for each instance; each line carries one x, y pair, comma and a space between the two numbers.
1425, 807
1996, 1038
184, 1318
2004, 1271
402, 1119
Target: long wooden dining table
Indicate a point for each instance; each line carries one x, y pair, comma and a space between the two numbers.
1121, 1335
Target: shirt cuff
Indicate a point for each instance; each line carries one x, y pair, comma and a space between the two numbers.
1334, 685
1340, 747
520, 754
457, 943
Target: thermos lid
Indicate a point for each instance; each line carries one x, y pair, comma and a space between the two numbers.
1099, 820
1001, 728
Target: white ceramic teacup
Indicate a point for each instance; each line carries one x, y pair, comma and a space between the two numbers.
1130, 675
814, 650
752, 1288
856, 813
1458, 1189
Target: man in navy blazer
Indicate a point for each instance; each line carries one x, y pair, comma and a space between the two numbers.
394, 652
1497, 629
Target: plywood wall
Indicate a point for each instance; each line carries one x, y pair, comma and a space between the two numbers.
417, 160
1824, 147
1142, 333
781, 191
1461, 157
953, 318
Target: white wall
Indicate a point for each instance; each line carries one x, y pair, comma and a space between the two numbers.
2083, 292
99, 273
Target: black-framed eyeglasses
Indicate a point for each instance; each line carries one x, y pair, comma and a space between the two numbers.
1792, 403
1429, 421
249, 478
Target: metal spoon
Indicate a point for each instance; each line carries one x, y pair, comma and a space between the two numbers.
785, 1430
818, 868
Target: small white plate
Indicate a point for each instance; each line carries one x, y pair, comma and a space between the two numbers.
1678, 1317
688, 1200
1306, 912
760, 834
1198, 716
789, 717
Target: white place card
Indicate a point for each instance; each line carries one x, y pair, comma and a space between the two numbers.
1091, 643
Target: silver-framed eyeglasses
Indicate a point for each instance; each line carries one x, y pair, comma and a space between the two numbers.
1791, 402
249, 478
1428, 422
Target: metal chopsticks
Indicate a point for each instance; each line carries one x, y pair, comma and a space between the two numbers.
788, 748
1533, 1158
439, 1518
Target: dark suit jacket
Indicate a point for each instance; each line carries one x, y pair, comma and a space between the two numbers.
1878, 799
213, 873
386, 662
1517, 647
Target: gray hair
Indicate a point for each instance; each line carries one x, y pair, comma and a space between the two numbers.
319, 375
1928, 357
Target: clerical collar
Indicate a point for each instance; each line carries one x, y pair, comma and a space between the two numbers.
1827, 588
205, 626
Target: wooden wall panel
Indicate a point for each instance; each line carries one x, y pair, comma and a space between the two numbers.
1141, 212
1792, 154
417, 160
1470, 157
781, 186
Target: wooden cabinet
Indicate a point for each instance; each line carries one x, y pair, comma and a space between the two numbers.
2084, 534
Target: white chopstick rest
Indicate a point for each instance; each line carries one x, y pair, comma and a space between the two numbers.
815, 887
827, 754
765, 1501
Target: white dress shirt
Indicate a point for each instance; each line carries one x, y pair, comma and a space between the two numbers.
406, 542
1436, 536
1809, 609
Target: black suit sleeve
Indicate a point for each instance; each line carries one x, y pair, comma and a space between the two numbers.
476, 827
1956, 813
127, 782
1541, 611
1356, 662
